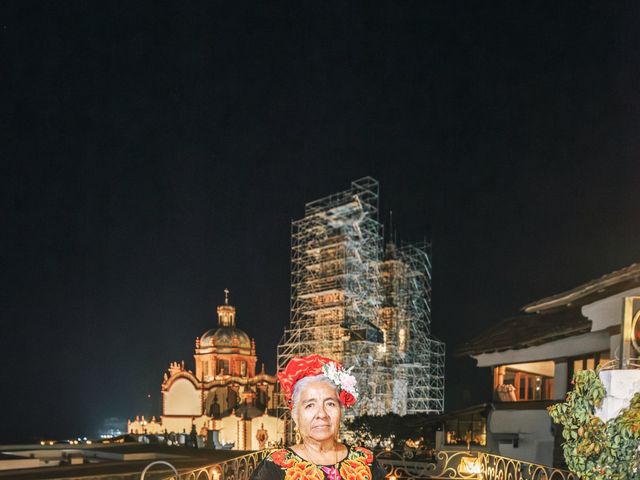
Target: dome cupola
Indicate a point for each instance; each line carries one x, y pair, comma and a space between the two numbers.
227, 338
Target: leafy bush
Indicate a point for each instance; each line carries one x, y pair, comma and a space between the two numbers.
593, 449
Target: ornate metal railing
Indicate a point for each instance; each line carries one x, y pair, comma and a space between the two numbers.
238, 468
467, 465
494, 467
447, 464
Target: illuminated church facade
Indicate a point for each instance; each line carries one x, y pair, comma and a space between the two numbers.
225, 394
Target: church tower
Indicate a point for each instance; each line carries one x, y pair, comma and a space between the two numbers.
224, 393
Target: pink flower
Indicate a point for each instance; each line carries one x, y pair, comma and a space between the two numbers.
348, 382
332, 473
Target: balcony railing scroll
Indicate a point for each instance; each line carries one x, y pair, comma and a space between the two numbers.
495, 467
238, 468
468, 465
448, 464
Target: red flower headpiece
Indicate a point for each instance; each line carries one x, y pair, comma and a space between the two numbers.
311, 365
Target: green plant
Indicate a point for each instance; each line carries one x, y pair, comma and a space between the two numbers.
593, 449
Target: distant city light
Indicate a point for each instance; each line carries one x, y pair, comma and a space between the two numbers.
111, 433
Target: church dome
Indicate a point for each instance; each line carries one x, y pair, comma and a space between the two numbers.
225, 337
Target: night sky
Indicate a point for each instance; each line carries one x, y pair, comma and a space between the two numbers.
155, 153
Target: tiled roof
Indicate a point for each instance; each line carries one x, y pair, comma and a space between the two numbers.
527, 331
551, 318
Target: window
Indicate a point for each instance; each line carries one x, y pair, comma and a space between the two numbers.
243, 368
588, 362
465, 429
223, 367
529, 386
524, 381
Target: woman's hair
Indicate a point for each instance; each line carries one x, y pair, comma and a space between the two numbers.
301, 384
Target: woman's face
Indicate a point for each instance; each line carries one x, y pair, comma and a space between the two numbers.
318, 412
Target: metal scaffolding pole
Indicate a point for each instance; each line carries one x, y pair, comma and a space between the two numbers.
416, 356
370, 312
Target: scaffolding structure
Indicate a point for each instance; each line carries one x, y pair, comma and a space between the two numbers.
416, 355
371, 313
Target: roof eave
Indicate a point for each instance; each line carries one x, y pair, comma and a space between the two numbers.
629, 274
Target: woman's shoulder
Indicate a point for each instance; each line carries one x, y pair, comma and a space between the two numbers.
361, 453
283, 457
267, 469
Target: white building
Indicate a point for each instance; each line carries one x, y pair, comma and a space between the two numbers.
225, 394
533, 357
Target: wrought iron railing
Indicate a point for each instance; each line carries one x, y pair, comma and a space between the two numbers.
447, 464
238, 468
451, 464
467, 465
495, 467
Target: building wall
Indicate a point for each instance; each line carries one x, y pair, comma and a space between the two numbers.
535, 437
224, 394
180, 424
142, 426
608, 311
182, 398
274, 426
566, 347
230, 430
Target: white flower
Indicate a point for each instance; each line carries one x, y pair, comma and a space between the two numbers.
341, 377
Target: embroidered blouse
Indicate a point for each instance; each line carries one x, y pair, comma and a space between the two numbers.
285, 464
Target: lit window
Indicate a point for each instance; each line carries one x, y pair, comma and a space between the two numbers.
471, 429
524, 381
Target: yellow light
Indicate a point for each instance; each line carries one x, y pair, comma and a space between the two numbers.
470, 465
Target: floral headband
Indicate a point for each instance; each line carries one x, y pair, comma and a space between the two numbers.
311, 365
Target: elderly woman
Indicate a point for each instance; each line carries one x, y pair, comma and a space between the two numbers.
317, 390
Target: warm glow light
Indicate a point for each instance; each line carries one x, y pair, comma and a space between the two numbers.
470, 465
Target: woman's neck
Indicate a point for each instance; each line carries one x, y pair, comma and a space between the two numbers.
327, 452
329, 445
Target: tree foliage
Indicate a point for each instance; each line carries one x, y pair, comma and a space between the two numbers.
368, 427
593, 449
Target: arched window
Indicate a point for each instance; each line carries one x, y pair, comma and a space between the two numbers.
223, 367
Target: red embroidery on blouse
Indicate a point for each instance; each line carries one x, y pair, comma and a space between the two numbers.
355, 467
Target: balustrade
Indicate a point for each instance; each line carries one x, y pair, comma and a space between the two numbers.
448, 464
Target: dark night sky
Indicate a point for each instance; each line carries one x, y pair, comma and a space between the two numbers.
155, 153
